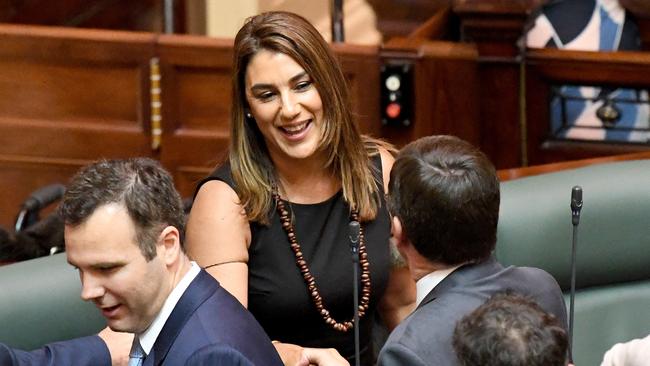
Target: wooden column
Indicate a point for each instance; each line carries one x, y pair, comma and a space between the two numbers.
495, 26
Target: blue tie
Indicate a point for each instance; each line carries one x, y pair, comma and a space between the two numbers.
136, 356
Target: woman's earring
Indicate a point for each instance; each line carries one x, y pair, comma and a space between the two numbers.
249, 115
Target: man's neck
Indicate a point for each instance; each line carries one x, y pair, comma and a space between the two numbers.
149, 336
420, 267
179, 272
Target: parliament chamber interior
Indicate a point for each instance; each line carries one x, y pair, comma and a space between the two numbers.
81, 82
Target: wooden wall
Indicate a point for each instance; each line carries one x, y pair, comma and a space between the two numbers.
67, 98
195, 105
144, 15
446, 89
70, 96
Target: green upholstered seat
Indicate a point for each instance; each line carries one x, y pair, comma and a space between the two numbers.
613, 255
40, 303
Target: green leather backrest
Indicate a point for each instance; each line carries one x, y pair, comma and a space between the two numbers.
614, 232
40, 303
613, 256
608, 315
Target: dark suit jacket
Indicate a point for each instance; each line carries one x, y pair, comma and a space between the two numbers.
207, 326
88, 351
424, 338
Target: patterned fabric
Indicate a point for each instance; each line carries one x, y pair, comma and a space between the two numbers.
136, 356
591, 25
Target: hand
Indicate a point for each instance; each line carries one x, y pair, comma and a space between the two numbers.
119, 345
290, 354
322, 357
294, 355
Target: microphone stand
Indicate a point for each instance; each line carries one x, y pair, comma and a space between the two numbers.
336, 9
39, 199
576, 206
355, 228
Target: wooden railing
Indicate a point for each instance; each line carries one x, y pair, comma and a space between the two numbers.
516, 173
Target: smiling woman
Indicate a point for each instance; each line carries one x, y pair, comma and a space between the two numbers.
272, 223
285, 106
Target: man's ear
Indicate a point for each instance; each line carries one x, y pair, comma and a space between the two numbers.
170, 245
397, 232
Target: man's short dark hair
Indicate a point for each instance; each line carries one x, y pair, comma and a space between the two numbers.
142, 185
446, 194
510, 330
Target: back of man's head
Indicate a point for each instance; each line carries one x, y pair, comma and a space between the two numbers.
445, 193
144, 188
510, 330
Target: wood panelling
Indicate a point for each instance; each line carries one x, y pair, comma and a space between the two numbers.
105, 14
83, 93
186, 178
20, 176
446, 89
68, 97
494, 26
196, 95
516, 173
585, 67
361, 68
398, 18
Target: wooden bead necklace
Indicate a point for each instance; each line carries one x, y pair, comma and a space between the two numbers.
316, 298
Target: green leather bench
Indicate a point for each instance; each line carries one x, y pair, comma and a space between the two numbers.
40, 303
612, 303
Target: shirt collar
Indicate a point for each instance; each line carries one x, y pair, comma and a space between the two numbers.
149, 336
427, 283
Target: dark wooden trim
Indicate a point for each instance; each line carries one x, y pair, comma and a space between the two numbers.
516, 173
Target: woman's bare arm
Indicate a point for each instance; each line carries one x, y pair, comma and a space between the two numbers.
218, 236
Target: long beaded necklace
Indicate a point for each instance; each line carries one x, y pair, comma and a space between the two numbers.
316, 298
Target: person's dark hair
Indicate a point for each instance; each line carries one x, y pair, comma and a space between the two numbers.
510, 330
142, 185
446, 194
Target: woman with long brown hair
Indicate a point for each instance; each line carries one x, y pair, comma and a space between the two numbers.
271, 224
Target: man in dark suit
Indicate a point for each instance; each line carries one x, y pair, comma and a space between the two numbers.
124, 226
444, 199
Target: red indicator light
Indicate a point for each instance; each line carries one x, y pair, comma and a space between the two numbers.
393, 110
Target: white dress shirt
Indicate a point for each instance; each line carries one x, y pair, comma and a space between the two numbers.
427, 283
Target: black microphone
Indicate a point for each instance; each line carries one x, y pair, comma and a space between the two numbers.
576, 206
355, 232
36, 201
44, 196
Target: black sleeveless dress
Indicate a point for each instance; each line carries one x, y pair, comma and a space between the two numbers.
277, 294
